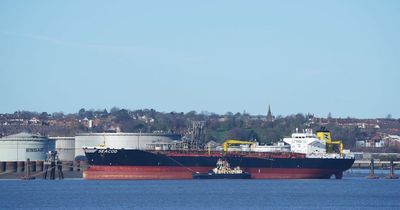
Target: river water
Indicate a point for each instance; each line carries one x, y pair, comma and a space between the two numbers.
354, 191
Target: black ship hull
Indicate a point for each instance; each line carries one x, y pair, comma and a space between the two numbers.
139, 164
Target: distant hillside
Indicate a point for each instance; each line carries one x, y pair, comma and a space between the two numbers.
265, 129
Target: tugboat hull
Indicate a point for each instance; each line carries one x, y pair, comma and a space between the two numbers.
221, 176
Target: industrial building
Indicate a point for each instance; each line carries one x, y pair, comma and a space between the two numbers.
21, 146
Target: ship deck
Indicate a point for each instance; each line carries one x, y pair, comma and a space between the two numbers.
204, 153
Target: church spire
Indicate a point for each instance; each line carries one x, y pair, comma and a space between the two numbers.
270, 118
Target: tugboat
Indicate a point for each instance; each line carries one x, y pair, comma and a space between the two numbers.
223, 171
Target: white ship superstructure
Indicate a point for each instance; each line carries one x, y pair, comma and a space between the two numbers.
307, 143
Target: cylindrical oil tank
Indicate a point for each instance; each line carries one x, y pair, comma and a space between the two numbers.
121, 140
65, 147
19, 147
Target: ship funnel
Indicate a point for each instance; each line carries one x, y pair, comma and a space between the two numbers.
324, 134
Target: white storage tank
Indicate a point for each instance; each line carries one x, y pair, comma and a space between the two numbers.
21, 146
65, 147
121, 140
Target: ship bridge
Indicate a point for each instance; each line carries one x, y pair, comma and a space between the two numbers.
306, 142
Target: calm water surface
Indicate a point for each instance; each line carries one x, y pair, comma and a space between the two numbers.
352, 192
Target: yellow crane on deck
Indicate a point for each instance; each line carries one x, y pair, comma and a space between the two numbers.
229, 142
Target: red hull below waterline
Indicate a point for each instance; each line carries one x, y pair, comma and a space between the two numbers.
170, 172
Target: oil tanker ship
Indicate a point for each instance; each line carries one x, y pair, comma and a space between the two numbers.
301, 156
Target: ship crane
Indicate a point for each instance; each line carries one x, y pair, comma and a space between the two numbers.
227, 143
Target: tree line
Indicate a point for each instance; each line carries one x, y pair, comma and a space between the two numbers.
242, 126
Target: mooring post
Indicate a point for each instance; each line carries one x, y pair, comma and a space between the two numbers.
46, 169
53, 169
372, 170
59, 169
28, 168
392, 175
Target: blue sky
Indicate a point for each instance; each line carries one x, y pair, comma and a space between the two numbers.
315, 57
